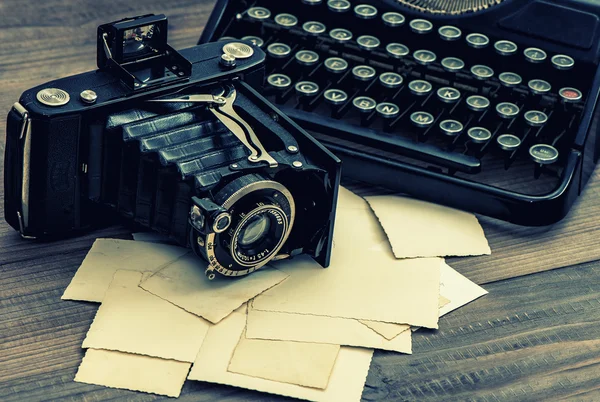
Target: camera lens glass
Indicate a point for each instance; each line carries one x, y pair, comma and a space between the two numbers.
254, 230
137, 41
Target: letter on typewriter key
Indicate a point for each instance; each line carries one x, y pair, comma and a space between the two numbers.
279, 81
392, 19
482, 72
363, 73
451, 128
338, 6
340, 35
449, 33
335, 97
539, 87
562, 62
505, 47
259, 13
477, 40
421, 119
365, 106
256, 41
336, 65
396, 50
452, 64
534, 55
278, 50
313, 28
365, 11
387, 110
543, 154
420, 87
448, 94
307, 57
535, 118
507, 110
286, 20
307, 88
424, 57
510, 80
421, 26
570, 95
478, 103
390, 80
479, 135
508, 142
368, 42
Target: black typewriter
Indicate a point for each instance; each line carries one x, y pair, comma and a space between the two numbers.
483, 105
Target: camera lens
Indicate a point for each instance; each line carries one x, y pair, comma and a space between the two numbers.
254, 230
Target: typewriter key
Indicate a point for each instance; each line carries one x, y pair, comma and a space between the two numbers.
226, 38
543, 154
478, 103
424, 57
507, 110
335, 96
396, 50
451, 128
312, 2
336, 65
363, 73
510, 80
562, 62
539, 87
448, 94
421, 119
278, 50
364, 104
365, 11
570, 95
508, 142
420, 87
338, 6
534, 55
279, 81
421, 26
452, 64
313, 28
256, 41
505, 47
340, 35
390, 80
482, 72
286, 20
477, 40
259, 13
392, 19
449, 33
535, 118
387, 110
306, 88
367, 42
307, 57
479, 135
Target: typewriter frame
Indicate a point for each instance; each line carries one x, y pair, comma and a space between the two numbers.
457, 192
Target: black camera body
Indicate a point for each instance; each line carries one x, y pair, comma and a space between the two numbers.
179, 142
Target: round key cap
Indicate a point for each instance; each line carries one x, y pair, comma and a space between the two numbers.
451, 128
306, 88
539, 87
259, 13
278, 50
452, 64
286, 20
543, 154
479, 135
420, 87
387, 110
279, 81
313, 28
223, 38
510, 80
477, 40
421, 119
396, 50
478, 103
307, 57
312, 2
256, 41
507, 110
390, 80
392, 19
534, 55
338, 6
562, 62
535, 118
508, 142
340, 35
505, 47
368, 42
449, 33
365, 11
570, 95
335, 96
363, 73
448, 94
421, 26
482, 72
364, 104
336, 65
424, 57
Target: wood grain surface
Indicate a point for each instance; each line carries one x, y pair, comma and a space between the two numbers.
536, 337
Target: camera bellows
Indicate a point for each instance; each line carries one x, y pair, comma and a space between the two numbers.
53, 97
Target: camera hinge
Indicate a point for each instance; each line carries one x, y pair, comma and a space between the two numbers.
25, 139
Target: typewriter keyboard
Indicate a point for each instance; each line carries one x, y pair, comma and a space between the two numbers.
459, 102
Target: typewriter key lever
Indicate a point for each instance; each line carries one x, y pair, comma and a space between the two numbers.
222, 107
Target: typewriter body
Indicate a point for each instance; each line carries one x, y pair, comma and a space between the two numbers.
486, 106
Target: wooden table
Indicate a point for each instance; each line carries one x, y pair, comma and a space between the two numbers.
533, 337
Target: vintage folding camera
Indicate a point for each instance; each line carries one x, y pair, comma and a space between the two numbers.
178, 141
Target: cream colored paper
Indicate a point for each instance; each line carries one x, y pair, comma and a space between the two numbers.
320, 329
109, 255
184, 284
421, 229
347, 199
132, 372
134, 321
345, 384
306, 364
457, 288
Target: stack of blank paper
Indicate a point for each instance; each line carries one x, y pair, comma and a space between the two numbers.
292, 328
